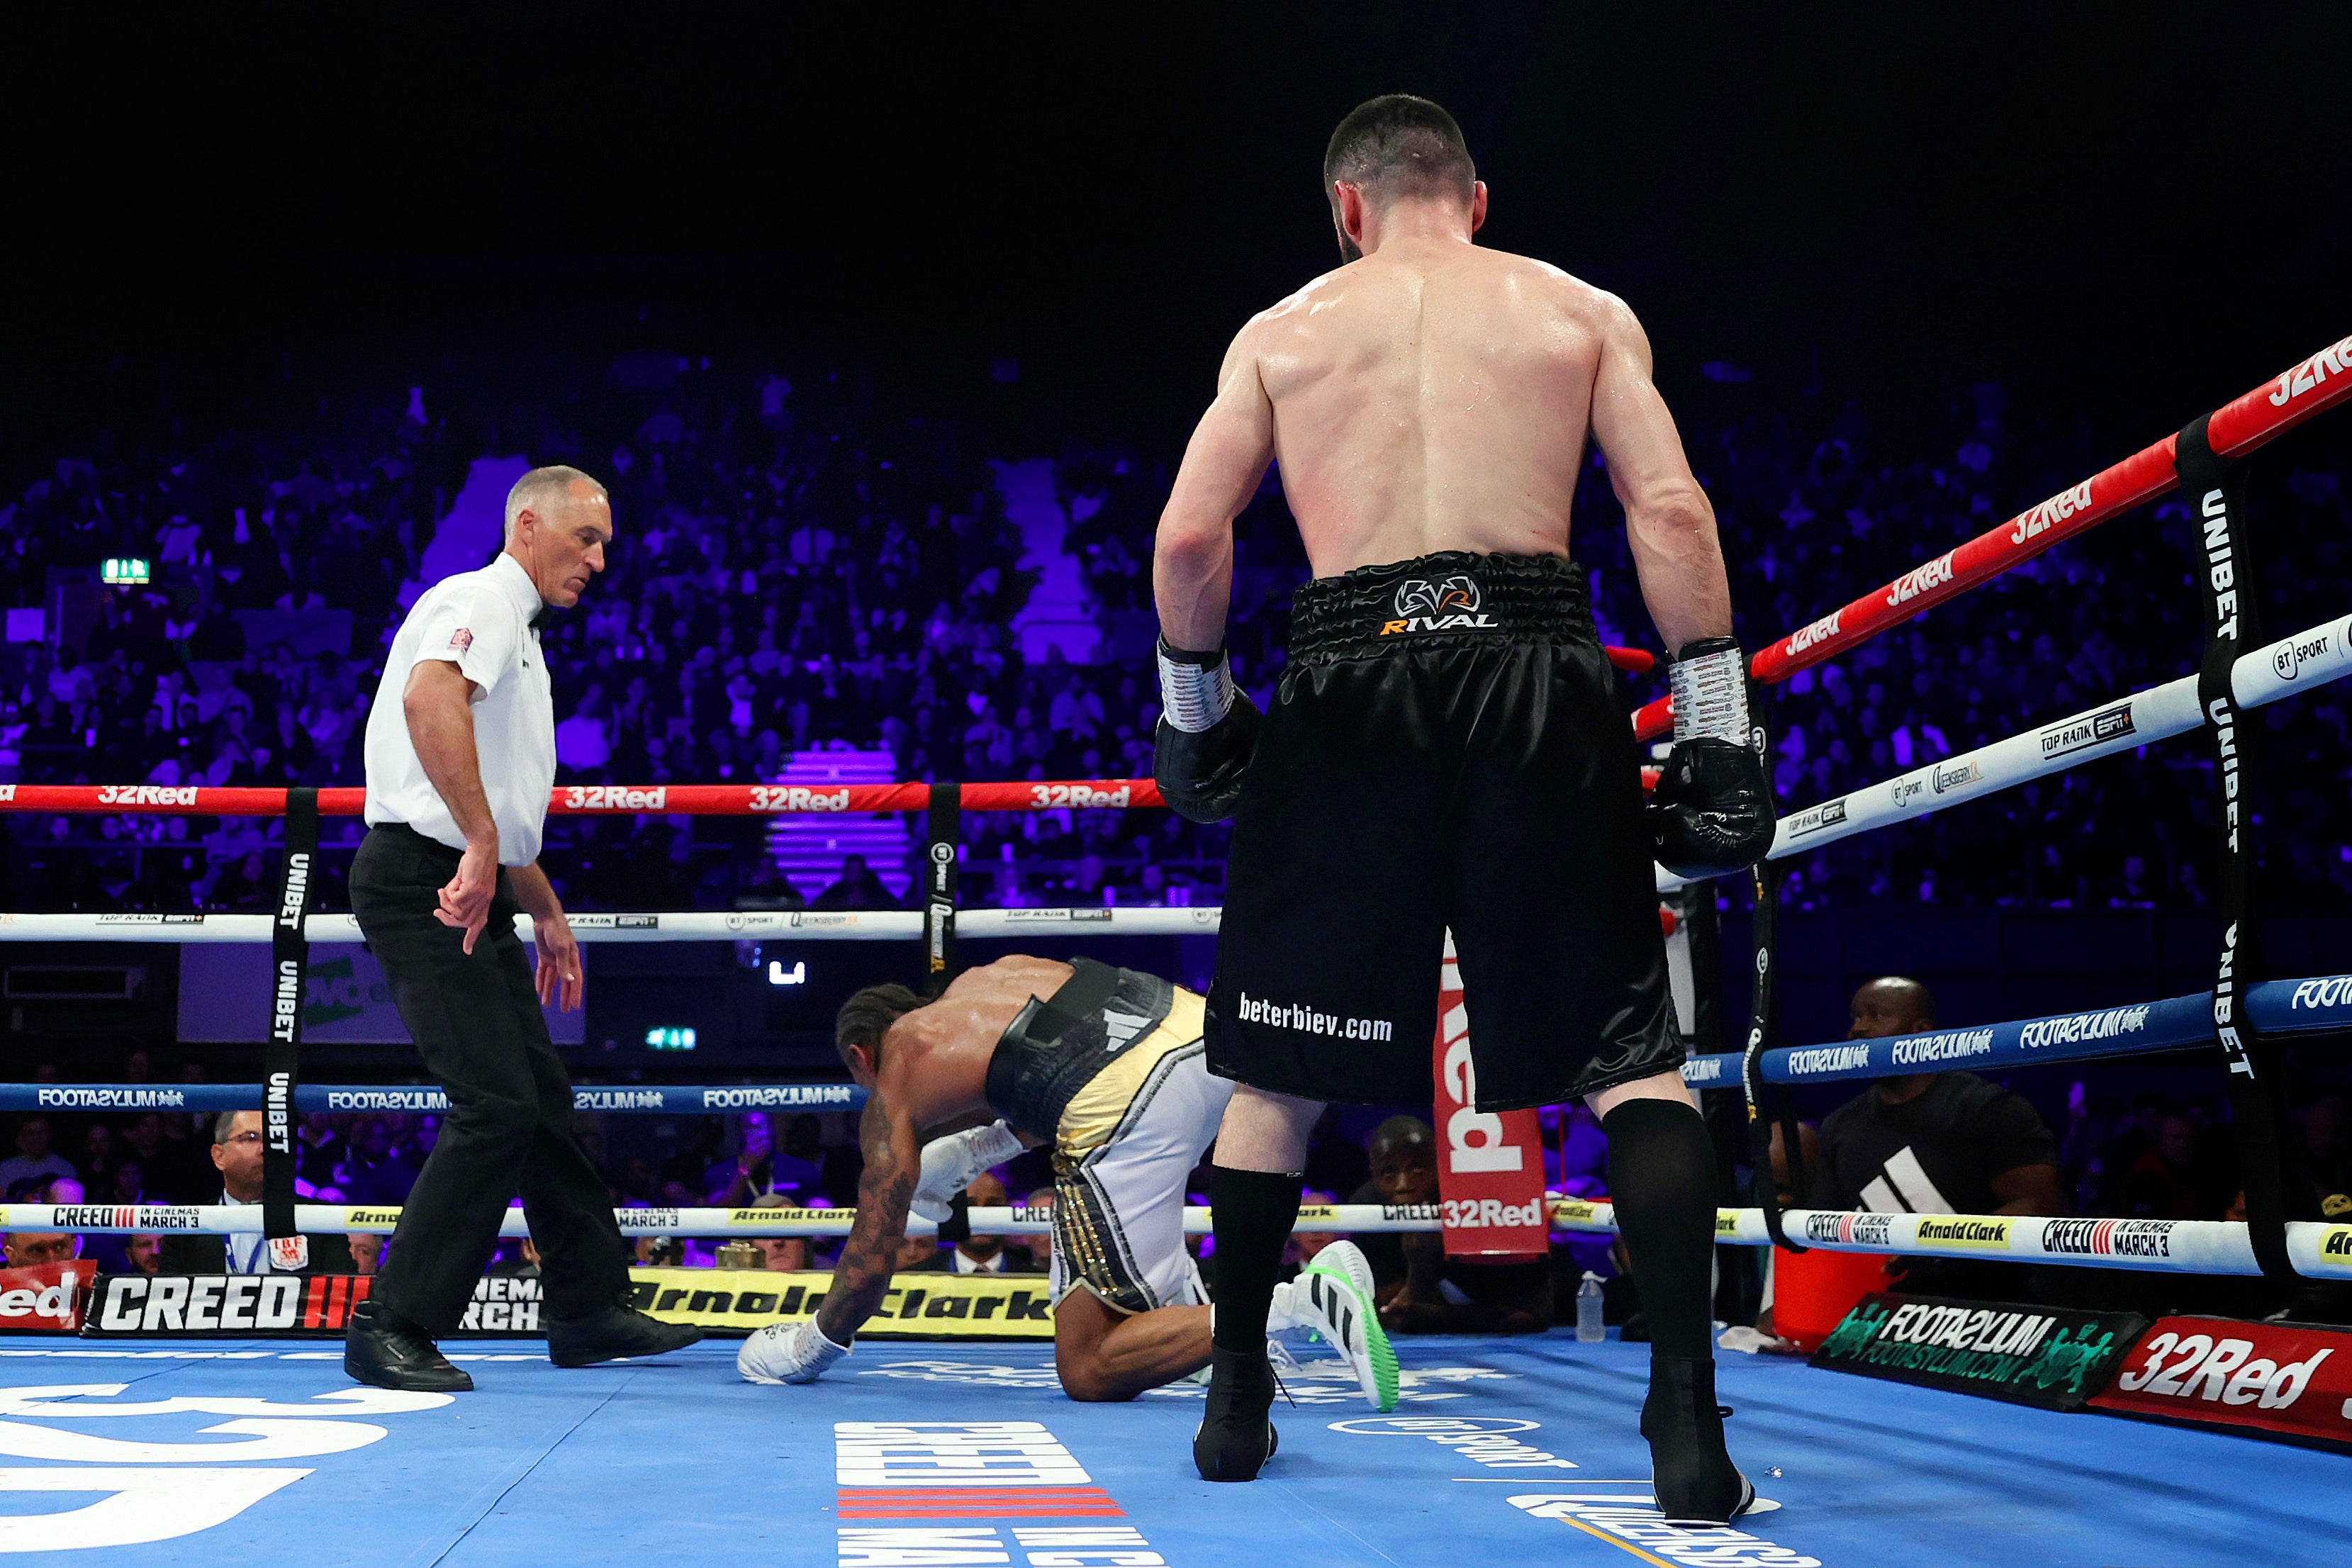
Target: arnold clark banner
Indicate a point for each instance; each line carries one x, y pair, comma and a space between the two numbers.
2044, 1356
919, 1305
2288, 1380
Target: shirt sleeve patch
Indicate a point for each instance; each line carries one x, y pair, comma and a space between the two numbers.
461, 640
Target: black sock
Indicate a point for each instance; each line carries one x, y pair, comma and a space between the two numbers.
1253, 1211
1661, 1177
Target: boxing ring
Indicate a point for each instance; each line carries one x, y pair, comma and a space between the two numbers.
968, 1453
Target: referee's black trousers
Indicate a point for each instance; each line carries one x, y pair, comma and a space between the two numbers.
476, 1023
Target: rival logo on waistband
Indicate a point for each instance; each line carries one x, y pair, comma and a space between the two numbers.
1449, 606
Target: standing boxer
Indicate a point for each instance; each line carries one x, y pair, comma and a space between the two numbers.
1445, 748
460, 759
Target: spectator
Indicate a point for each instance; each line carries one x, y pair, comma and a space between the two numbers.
981, 1254
1039, 1246
1300, 1250
780, 1254
97, 1156
129, 1184
145, 1254
1420, 1289
237, 1155
2167, 1180
1943, 1142
857, 889
29, 1248
367, 1250
34, 1158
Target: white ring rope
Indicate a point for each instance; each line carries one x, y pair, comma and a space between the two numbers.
2292, 664
2162, 1246
692, 925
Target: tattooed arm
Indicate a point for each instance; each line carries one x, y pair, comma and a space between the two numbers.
893, 1162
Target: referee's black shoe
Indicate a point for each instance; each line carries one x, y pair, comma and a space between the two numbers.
612, 1333
384, 1349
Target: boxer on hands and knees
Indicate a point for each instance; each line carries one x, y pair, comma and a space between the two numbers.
1106, 1067
1445, 746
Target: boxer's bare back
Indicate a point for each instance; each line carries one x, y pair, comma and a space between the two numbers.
935, 1059
1437, 395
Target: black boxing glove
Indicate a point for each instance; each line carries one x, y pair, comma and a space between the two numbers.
1207, 733
1711, 814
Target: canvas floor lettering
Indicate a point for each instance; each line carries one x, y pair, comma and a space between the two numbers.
261, 1452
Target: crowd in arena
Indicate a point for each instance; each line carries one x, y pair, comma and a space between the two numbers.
795, 570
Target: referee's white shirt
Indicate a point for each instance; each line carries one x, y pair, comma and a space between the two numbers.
481, 621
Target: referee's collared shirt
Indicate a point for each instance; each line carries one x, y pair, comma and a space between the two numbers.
479, 621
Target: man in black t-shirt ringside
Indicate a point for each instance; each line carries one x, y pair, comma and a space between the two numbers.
1946, 1142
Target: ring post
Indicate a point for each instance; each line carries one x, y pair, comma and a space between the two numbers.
2215, 489
943, 835
282, 1065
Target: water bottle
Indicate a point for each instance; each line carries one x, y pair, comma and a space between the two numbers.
1587, 1311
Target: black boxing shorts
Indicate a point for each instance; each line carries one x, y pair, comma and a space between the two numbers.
1445, 748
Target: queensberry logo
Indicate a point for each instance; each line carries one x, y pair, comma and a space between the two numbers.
1944, 779
2107, 724
1422, 606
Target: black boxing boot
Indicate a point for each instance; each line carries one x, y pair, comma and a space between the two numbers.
1236, 1438
1691, 1473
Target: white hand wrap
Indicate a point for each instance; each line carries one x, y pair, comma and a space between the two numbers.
950, 1163
787, 1353
1710, 693
1196, 689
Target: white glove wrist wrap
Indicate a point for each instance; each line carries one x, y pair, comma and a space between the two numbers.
1710, 696
1196, 691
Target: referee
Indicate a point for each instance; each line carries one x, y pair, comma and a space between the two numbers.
460, 759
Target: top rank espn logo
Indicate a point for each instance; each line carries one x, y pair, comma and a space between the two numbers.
2076, 733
